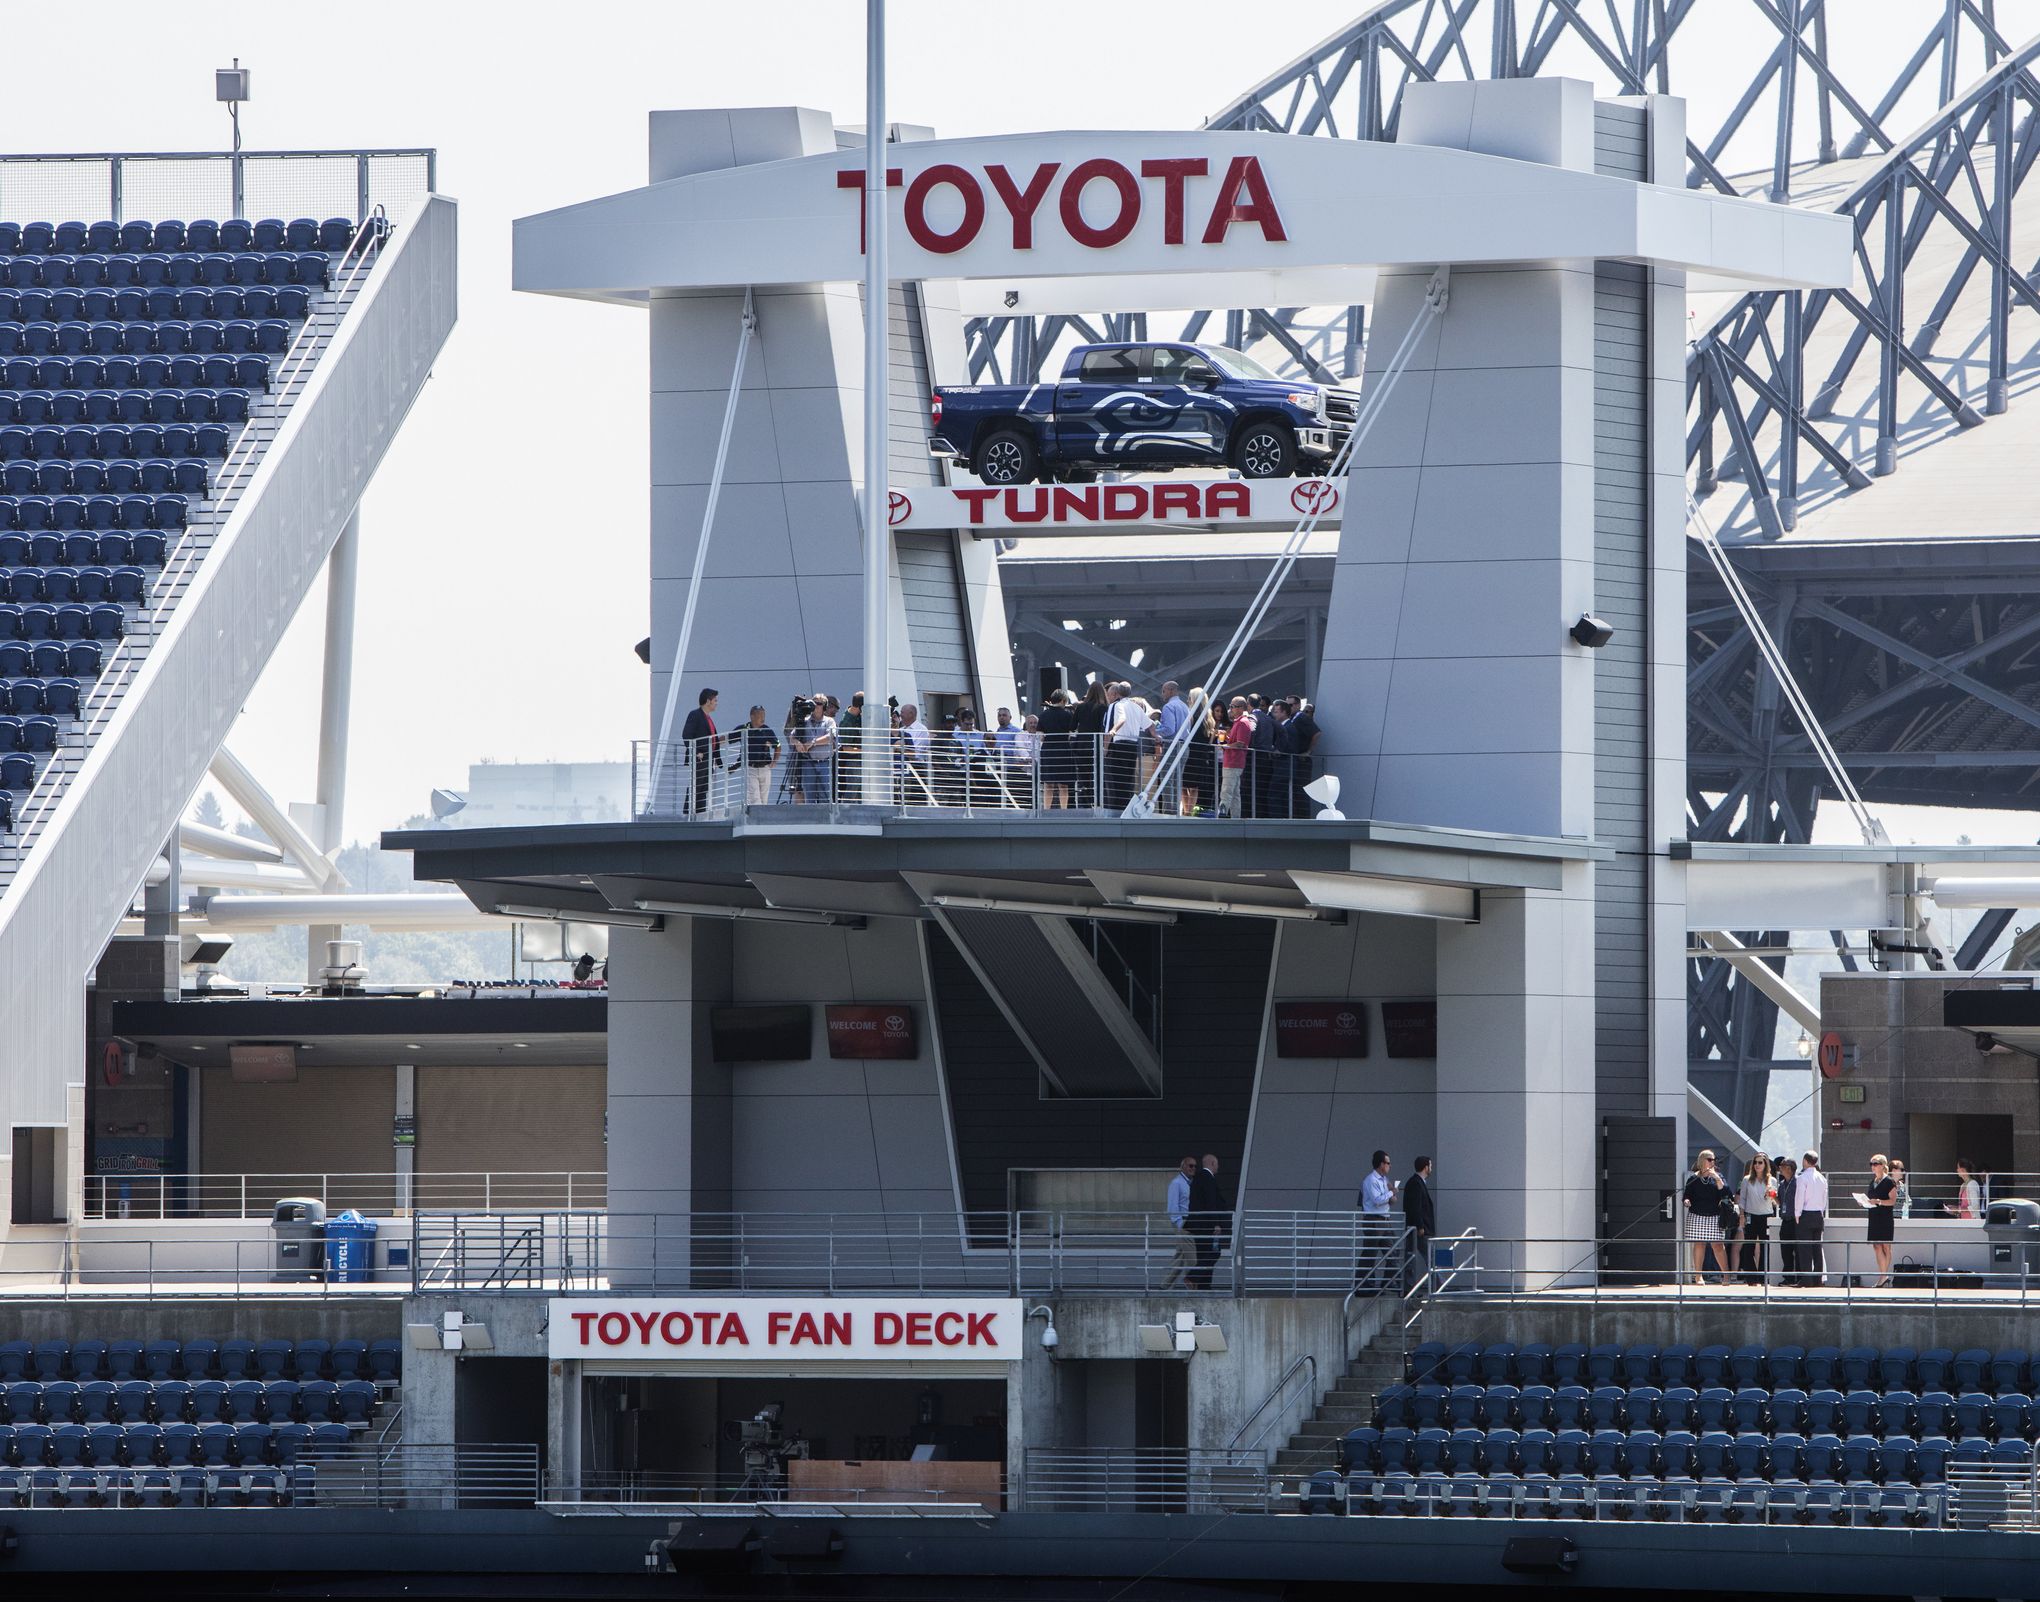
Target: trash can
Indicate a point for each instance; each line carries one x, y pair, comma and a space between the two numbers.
2013, 1228
350, 1248
298, 1227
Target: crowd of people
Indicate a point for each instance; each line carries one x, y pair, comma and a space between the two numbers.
1249, 759
1731, 1227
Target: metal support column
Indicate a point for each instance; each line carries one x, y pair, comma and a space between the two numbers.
877, 752
336, 691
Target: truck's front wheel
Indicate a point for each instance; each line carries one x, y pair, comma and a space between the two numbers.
1007, 457
1265, 450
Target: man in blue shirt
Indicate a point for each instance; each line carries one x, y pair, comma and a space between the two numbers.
1377, 1223
1179, 1219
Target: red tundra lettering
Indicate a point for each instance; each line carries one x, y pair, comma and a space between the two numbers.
1175, 498
1231, 498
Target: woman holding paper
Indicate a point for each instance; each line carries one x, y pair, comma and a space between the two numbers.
1882, 1202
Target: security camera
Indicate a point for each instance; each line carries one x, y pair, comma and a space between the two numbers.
1591, 631
1049, 1339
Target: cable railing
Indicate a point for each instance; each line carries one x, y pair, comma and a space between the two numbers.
873, 1485
1630, 1500
731, 776
158, 1196
156, 184
1252, 1252
80, 1266
1112, 1479
148, 622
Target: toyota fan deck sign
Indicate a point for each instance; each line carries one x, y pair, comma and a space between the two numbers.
766, 1329
1241, 504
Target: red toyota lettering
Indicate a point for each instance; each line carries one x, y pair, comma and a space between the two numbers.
947, 1332
1076, 502
1125, 503
854, 179
981, 1329
1121, 225
678, 1335
732, 1330
1244, 177
645, 1322
918, 227
917, 1329
1037, 508
1172, 173
1022, 204
584, 1320
1175, 498
622, 1326
885, 1329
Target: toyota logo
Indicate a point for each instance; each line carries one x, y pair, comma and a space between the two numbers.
1346, 1021
897, 506
1314, 495
895, 1024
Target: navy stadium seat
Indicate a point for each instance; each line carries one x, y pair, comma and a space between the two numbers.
1935, 1367
134, 1401
1638, 1365
1604, 1453
1973, 1413
357, 1401
1639, 1410
1498, 1407
1675, 1365
1360, 1450
31, 1443
1897, 1412
1710, 1409
208, 1401
1710, 1366
1676, 1407
1788, 1410
251, 1443
1971, 1370
201, 1360
244, 1402
1397, 1442
2012, 1415
59, 1401
104, 1445
1823, 1456
1604, 1406
51, 1360
1392, 1406
1711, 1454
1823, 1412
1568, 1407
1788, 1451
1639, 1454
2017, 1453
1533, 1407
1568, 1364
1604, 1364
1858, 1457
279, 1400
1930, 1455
1533, 1451
96, 1401
14, 1356
1749, 1408
1460, 1362
1569, 1451
286, 1440
173, 1401
1895, 1368
1859, 1412
1746, 1366
1749, 1454
272, 1360
1427, 1452
1675, 1454
1427, 1406
23, 1401
1462, 1406
2008, 1370
1462, 1451
1823, 1368
215, 1445
67, 1445
1897, 1462
1496, 1363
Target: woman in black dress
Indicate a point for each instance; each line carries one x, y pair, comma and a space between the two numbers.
1883, 1195
1087, 749
1200, 764
1058, 761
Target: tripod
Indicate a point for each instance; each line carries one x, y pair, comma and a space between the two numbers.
790, 776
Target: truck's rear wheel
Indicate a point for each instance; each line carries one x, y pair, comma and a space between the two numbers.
1006, 457
1265, 450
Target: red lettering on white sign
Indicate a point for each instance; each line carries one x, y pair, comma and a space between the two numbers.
1021, 204
1172, 173
918, 227
1244, 178
616, 1321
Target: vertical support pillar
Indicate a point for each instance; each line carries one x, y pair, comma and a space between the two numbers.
1893, 307
876, 751
1788, 78
336, 694
1997, 396
406, 1163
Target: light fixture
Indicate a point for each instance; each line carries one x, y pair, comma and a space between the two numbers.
521, 1045
717, 909
620, 920
1157, 1338
1804, 1046
412, 1045
1591, 631
1249, 909
1049, 909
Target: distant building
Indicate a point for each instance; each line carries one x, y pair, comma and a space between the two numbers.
503, 795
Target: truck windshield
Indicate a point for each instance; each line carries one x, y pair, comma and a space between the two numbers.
1237, 364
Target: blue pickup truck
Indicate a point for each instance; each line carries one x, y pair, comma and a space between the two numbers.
1143, 408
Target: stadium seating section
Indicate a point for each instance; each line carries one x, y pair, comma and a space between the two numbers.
1823, 1434
130, 355
166, 1423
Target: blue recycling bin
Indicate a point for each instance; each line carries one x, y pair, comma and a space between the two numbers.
350, 1248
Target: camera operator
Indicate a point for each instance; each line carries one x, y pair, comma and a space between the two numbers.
814, 741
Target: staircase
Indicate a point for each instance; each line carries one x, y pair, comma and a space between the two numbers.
1347, 1404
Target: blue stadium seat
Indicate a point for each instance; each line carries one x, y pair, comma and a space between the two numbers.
1895, 1368
1569, 1451
1971, 1371
1639, 1409
1970, 1451
1710, 1366
272, 1360
23, 1402
14, 1356
1746, 1366
1359, 1450
2018, 1454
2012, 1416
1675, 1365
67, 1445
172, 1400
1498, 1407
1823, 1368
1823, 1412
104, 1445
1859, 1412
1638, 1457
244, 1402
1604, 1364
133, 1402
1398, 1442
336, 234
1392, 1406
1569, 1407
1460, 1362
1934, 1413
1676, 1407
1788, 1455
1533, 1407
1533, 1452
1897, 1461
251, 1443
1823, 1458
2008, 1370
161, 1360
1427, 1451
1930, 1456
1638, 1365
1427, 1406
1858, 1457
1462, 1451
1496, 1363
215, 1445
279, 1400
1604, 1406
1749, 1454
59, 1401
1788, 1410
208, 1401
1711, 1407
96, 1402
357, 1401
1749, 1409
1462, 1406
1936, 1366
1675, 1454
1973, 1413
287, 1439
1897, 1412
201, 1360
1711, 1454
341, 1360
1604, 1454
51, 1360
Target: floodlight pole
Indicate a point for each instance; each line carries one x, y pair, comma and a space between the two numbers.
876, 734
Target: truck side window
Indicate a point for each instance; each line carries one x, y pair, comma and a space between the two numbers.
1174, 366
1111, 367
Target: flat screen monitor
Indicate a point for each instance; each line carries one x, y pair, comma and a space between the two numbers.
761, 1034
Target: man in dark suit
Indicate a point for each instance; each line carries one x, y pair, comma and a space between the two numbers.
1210, 1213
697, 741
1420, 1217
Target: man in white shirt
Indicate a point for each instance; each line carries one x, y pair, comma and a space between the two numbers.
1179, 1219
1377, 1223
1127, 719
915, 742
1810, 1209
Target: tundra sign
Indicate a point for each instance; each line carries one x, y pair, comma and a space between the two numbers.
765, 1329
1240, 504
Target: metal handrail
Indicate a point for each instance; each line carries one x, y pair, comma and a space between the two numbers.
100, 702
1306, 1363
386, 1193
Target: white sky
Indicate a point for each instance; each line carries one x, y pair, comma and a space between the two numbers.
504, 545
